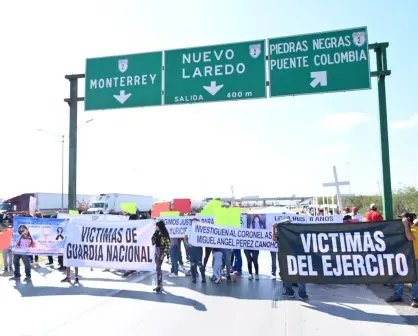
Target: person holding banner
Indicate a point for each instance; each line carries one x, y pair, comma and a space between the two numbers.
411, 233
289, 292
7, 252
174, 256
196, 256
161, 240
252, 259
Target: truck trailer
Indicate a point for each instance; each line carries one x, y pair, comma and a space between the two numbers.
111, 203
45, 202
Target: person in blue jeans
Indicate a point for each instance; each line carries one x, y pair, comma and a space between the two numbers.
16, 264
237, 262
174, 256
411, 233
227, 253
196, 258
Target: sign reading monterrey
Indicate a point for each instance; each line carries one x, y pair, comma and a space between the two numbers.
124, 81
215, 73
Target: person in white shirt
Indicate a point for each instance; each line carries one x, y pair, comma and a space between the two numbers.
356, 215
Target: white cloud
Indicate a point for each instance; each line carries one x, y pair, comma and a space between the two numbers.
333, 149
409, 123
342, 121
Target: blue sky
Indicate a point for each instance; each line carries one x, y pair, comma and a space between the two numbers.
273, 147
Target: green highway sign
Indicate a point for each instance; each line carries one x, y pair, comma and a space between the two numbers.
321, 62
215, 73
124, 81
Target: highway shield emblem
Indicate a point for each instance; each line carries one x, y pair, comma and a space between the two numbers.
123, 65
359, 38
255, 50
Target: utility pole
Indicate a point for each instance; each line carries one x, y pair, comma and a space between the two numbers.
381, 73
72, 159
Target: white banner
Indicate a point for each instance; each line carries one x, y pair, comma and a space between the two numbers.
94, 217
232, 238
111, 245
266, 221
178, 225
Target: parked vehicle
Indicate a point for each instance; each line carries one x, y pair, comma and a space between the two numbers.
111, 203
45, 202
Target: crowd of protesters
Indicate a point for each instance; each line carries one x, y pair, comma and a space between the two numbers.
226, 263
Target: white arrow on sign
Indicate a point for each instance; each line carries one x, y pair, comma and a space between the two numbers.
122, 97
213, 88
319, 77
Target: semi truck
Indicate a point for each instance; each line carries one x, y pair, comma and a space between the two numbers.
45, 202
111, 203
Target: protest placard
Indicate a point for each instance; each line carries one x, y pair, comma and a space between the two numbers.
110, 245
231, 238
364, 253
40, 236
178, 225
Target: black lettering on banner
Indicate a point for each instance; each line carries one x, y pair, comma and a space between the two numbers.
128, 235
91, 235
134, 236
84, 232
84, 252
120, 232
363, 253
128, 253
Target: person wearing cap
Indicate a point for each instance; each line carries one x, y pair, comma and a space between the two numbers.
356, 215
373, 215
411, 233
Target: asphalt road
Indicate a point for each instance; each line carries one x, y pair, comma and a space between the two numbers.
107, 304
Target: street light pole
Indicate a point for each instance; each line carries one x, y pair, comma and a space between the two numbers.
63, 157
62, 172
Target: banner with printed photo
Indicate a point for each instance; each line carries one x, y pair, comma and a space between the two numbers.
231, 238
266, 221
364, 253
38, 236
178, 225
110, 245
94, 217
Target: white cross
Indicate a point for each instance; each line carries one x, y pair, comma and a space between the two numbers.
337, 185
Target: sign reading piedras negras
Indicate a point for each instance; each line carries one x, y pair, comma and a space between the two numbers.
215, 73
320, 62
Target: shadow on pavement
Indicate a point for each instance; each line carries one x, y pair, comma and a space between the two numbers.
28, 290
42, 271
242, 289
355, 314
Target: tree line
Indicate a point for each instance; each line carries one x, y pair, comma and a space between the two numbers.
405, 199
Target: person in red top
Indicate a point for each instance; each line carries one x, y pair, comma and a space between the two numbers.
373, 215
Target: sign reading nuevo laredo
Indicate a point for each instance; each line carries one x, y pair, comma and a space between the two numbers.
320, 62
215, 73
124, 81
